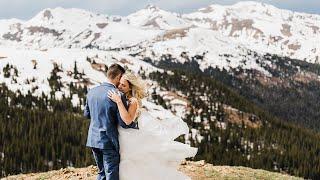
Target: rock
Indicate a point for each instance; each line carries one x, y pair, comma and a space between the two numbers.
184, 163
200, 163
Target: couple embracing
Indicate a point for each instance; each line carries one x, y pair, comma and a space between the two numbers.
120, 127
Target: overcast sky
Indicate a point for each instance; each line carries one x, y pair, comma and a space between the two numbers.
25, 9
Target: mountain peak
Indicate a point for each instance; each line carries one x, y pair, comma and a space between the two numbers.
152, 7
155, 18
242, 5
252, 4
65, 18
51, 13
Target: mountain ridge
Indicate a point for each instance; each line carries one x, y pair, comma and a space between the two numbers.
265, 29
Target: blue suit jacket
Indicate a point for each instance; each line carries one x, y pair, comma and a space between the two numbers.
105, 117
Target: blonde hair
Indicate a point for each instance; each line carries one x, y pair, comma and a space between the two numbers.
138, 86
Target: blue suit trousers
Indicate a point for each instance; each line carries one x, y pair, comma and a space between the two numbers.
107, 161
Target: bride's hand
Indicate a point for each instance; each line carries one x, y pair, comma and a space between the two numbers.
133, 100
114, 96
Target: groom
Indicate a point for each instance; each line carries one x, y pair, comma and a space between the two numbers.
103, 131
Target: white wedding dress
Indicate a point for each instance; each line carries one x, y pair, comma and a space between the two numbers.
150, 153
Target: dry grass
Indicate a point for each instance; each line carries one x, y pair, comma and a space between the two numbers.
196, 170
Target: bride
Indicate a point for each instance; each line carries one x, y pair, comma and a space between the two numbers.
150, 152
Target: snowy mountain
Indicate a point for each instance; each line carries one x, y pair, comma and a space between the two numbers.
264, 28
155, 18
67, 28
227, 37
213, 30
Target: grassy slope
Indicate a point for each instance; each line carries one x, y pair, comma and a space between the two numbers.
196, 170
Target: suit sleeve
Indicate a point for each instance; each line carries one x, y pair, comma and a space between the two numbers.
119, 119
86, 112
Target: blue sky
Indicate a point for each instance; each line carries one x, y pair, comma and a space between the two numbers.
25, 9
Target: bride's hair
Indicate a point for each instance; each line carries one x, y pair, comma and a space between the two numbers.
137, 85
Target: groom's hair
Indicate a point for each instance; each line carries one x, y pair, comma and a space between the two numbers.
114, 70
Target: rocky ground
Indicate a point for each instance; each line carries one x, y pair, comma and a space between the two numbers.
196, 170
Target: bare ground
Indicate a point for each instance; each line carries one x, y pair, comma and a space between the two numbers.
196, 170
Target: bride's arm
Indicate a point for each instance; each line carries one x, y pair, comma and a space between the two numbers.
127, 116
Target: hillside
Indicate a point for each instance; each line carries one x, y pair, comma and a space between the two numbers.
195, 170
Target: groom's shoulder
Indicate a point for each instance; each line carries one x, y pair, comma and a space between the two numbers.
96, 86
99, 88
102, 85
92, 88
